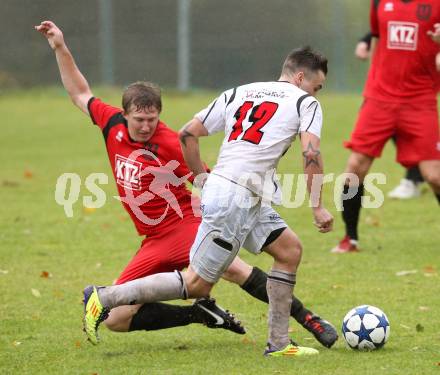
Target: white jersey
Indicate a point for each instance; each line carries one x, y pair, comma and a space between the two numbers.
260, 121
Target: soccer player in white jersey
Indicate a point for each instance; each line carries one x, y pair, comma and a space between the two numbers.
260, 121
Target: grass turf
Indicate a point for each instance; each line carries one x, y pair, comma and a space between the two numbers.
46, 259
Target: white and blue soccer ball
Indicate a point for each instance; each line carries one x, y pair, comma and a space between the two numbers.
366, 328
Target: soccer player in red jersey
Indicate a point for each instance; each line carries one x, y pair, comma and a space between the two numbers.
409, 186
150, 173
400, 100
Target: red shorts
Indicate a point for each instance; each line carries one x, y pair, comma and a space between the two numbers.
414, 126
164, 252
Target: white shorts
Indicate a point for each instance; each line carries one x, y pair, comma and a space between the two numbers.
232, 217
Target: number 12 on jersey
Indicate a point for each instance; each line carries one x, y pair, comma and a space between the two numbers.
259, 117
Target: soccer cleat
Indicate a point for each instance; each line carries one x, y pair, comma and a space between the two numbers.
94, 314
346, 245
291, 350
323, 331
407, 189
215, 317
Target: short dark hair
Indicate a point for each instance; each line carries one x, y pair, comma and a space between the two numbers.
143, 95
304, 57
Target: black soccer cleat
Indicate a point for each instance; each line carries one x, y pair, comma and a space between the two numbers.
323, 331
215, 317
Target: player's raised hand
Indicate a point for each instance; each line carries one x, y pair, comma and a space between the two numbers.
52, 33
323, 219
435, 34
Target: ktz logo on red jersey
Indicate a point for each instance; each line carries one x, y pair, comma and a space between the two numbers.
402, 35
128, 172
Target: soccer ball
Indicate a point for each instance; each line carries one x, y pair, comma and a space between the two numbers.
365, 328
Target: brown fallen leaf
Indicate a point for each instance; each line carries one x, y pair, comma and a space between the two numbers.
429, 269
89, 210
28, 174
45, 274
78, 344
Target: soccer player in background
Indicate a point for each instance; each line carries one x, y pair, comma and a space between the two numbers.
260, 121
409, 186
138, 143
400, 101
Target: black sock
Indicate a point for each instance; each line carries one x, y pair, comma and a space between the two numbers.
154, 316
255, 285
413, 174
438, 197
352, 208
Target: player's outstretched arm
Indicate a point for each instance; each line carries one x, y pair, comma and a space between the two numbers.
73, 80
313, 169
189, 141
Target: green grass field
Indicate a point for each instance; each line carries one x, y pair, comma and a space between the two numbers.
43, 136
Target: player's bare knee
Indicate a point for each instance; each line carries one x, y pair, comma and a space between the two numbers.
287, 249
119, 318
294, 253
358, 164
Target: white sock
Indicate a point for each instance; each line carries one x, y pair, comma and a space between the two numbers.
153, 288
279, 290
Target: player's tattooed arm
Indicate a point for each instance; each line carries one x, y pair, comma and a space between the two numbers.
313, 166
189, 141
311, 156
184, 134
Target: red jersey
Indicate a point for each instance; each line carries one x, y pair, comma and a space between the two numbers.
403, 66
150, 176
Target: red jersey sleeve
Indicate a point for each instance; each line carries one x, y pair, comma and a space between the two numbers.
374, 22
100, 112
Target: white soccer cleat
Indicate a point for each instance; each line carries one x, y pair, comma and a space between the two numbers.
407, 189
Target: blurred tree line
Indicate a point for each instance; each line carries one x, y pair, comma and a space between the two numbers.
232, 41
